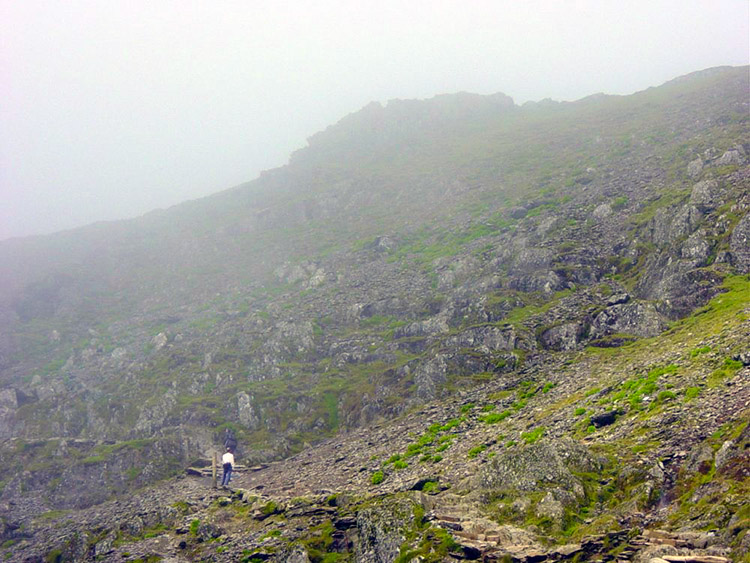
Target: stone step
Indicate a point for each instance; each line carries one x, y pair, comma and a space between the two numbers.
206, 471
695, 559
659, 534
454, 526
448, 518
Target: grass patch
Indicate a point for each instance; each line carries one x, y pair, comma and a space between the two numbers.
691, 393
495, 417
476, 450
700, 351
533, 436
727, 370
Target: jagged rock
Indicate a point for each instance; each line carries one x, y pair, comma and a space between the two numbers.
723, 454
695, 559
567, 551
380, 530
618, 299
659, 228
637, 318
434, 325
345, 523
10, 530
551, 508
431, 374
563, 337
669, 225
294, 337
159, 341
696, 248
677, 286
487, 338
684, 222
153, 416
383, 243
732, 156
119, 353
699, 459
603, 210
547, 282
104, 546
297, 555
246, 412
695, 167
531, 260
739, 245
207, 531
705, 195
8, 400
698, 540
539, 465
604, 419
733, 458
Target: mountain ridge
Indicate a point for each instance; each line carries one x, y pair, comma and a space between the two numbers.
326, 296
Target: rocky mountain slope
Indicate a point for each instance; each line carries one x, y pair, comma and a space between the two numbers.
522, 333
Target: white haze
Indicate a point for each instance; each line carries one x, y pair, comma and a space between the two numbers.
109, 109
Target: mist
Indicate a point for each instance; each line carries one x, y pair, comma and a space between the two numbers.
112, 110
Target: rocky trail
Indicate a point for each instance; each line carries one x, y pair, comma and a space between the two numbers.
270, 510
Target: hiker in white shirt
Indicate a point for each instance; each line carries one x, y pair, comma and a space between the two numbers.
227, 461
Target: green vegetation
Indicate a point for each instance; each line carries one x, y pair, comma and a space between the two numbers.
728, 368
270, 534
526, 390
450, 425
633, 391
466, 408
377, 478
534, 305
533, 436
698, 351
52, 515
619, 203
434, 441
476, 450
318, 543
154, 531
495, 417
430, 487
270, 508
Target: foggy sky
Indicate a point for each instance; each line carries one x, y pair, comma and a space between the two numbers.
109, 109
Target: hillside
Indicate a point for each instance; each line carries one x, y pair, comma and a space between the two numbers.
539, 309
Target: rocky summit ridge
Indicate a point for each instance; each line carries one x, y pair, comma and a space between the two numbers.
448, 329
